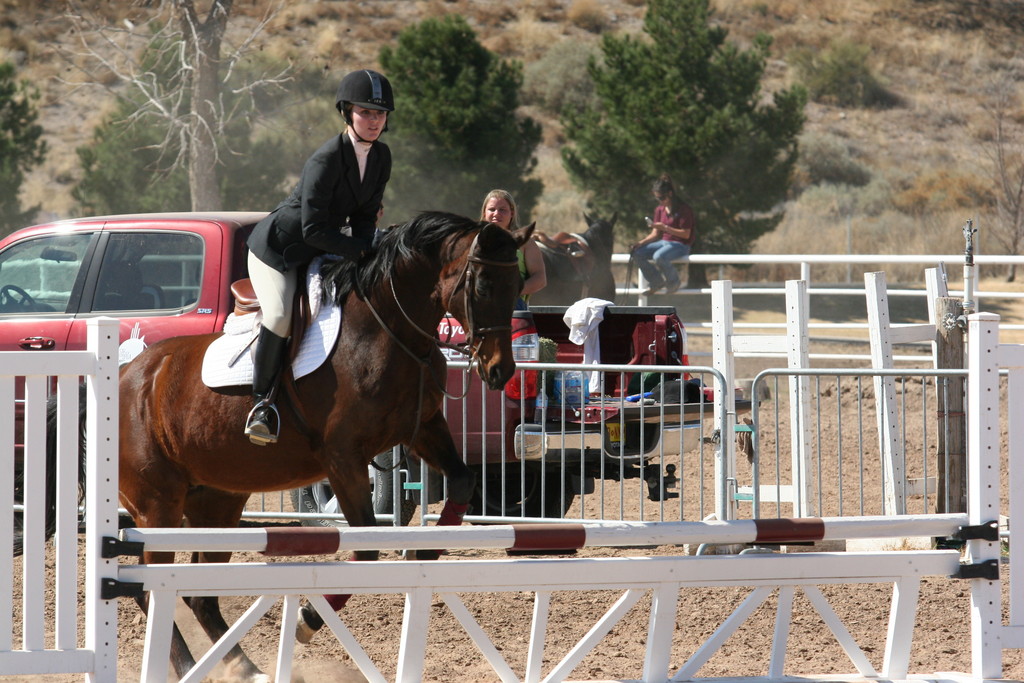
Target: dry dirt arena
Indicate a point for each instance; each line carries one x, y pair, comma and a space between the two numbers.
941, 637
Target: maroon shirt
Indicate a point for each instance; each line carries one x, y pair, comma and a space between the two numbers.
682, 218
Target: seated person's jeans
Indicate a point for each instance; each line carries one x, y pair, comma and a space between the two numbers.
655, 262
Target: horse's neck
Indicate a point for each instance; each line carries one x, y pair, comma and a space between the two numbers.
408, 300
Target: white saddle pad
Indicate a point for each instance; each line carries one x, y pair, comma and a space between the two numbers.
228, 360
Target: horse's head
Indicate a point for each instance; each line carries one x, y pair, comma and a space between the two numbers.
600, 233
490, 285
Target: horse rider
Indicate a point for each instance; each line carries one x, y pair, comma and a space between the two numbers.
342, 183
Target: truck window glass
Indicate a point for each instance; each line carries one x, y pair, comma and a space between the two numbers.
144, 271
37, 275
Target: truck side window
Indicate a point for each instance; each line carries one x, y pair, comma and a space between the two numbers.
38, 275
149, 272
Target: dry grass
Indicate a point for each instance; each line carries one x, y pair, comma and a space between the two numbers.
588, 15
526, 37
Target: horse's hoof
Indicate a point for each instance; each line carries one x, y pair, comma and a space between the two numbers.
423, 554
308, 624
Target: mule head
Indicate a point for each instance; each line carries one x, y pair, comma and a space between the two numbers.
492, 285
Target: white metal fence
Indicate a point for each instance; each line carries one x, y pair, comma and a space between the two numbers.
653, 460
804, 266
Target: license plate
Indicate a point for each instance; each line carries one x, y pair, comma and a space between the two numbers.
613, 431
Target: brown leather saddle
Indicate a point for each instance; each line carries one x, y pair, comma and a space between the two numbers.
572, 246
246, 302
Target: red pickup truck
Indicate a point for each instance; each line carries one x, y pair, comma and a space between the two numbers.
166, 275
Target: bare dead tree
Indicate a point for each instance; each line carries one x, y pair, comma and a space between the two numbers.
1006, 154
195, 110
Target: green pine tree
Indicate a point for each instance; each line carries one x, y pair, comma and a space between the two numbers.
455, 134
21, 146
683, 101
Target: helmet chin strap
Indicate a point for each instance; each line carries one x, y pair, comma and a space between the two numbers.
352, 129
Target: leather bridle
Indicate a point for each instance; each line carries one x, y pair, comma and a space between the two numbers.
467, 282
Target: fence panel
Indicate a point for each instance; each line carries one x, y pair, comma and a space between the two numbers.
619, 455
49, 631
848, 473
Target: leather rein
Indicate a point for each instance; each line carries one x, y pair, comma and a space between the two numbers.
471, 347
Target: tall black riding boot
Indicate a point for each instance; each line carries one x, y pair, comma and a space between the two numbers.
264, 422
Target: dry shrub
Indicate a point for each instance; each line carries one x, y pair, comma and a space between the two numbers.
373, 34
490, 14
528, 37
841, 75
299, 16
588, 15
545, 10
15, 42
944, 190
828, 159
495, 15
786, 10
332, 42
560, 78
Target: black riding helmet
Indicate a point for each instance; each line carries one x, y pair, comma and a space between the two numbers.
364, 88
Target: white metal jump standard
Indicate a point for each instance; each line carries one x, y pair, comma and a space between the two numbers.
60, 653
794, 347
882, 335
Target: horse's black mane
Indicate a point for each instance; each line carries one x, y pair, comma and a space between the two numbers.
422, 237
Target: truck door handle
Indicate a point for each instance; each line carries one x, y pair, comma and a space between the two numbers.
37, 343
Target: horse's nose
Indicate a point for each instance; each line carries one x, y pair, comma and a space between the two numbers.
498, 375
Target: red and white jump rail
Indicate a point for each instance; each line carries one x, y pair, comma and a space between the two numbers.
292, 541
664, 577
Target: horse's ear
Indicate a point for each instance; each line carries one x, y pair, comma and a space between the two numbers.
615, 217
587, 219
522, 235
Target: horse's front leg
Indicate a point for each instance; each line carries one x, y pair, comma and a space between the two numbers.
352, 489
211, 508
435, 446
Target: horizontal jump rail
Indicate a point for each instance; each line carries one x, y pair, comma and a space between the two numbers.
290, 541
400, 576
663, 577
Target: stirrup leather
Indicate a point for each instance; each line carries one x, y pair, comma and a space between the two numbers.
259, 432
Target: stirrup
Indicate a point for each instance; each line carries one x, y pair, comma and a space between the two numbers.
258, 431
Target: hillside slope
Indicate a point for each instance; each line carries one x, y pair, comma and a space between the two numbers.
936, 56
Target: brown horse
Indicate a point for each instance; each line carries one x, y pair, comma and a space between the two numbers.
184, 458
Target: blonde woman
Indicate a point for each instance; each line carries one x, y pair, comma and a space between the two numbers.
500, 208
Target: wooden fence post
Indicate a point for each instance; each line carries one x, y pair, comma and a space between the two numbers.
952, 423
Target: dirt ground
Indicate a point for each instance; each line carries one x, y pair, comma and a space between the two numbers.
941, 637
